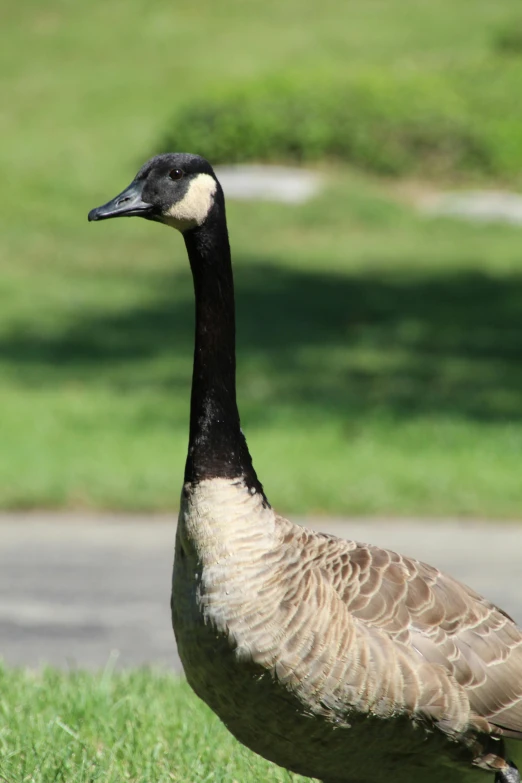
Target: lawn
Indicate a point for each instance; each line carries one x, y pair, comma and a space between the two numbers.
379, 352
139, 726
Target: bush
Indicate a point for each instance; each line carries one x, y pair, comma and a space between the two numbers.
384, 122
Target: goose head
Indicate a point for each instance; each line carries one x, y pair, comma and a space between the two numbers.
178, 189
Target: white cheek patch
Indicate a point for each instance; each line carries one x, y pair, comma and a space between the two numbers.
194, 207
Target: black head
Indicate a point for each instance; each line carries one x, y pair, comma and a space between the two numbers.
176, 188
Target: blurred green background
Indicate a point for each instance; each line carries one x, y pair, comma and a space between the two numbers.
379, 350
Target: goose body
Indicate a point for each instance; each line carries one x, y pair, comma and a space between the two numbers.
334, 659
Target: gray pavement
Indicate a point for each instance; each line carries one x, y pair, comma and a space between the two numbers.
78, 589
479, 206
269, 183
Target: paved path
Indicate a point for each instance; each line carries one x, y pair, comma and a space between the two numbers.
74, 589
480, 206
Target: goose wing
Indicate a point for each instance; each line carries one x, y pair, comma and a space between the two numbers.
447, 623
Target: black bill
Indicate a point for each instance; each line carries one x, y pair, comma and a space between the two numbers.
127, 204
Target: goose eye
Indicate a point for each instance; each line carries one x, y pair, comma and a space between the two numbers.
175, 174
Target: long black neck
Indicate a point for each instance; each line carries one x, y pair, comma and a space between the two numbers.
217, 447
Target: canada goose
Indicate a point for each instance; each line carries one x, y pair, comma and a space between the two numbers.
334, 659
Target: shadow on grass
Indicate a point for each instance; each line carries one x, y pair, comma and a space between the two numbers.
348, 343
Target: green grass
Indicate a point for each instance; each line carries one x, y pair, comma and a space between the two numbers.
379, 352
137, 726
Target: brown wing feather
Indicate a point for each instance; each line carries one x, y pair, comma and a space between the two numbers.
447, 623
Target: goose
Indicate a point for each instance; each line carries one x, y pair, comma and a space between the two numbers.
334, 659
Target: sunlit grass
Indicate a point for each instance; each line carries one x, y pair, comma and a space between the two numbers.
378, 352
386, 380
138, 726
